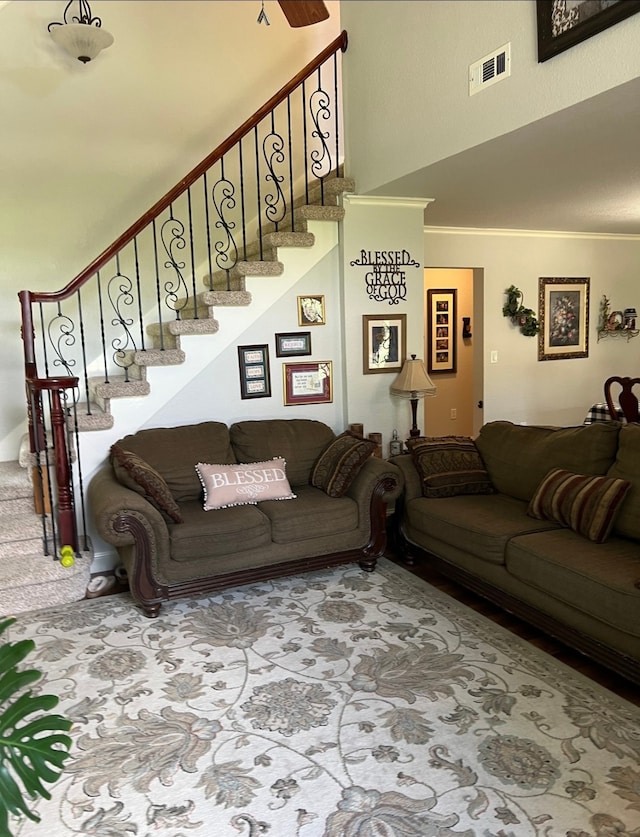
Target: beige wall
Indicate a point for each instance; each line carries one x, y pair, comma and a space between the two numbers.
519, 387
407, 101
455, 390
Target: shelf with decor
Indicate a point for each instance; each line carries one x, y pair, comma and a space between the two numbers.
616, 323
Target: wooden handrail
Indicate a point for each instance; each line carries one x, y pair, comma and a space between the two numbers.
340, 43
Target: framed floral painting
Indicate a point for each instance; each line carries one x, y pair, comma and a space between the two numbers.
563, 313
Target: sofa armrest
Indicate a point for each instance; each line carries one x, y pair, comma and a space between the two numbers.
110, 501
376, 475
412, 484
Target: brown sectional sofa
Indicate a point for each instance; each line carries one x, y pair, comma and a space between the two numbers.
586, 594
209, 550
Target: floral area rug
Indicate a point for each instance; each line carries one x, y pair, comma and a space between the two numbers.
333, 704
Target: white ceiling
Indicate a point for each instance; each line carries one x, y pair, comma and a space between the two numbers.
577, 170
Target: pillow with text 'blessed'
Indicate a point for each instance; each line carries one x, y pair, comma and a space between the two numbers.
241, 485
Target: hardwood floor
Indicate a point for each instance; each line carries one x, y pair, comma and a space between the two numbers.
609, 679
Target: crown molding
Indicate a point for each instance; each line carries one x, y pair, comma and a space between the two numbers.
383, 200
529, 233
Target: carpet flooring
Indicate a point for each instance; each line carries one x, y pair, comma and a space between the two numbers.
333, 704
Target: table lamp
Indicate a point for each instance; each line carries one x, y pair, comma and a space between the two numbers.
413, 383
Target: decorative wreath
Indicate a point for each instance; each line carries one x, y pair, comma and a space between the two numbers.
520, 316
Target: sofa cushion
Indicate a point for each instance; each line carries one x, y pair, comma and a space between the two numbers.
518, 457
242, 485
339, 463
480, 524
627, 467
298, 441
174, 451
133, 472
205, 536
449, 466
312, 514
586, 504
597, 579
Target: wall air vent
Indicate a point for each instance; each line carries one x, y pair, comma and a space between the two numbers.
490, 69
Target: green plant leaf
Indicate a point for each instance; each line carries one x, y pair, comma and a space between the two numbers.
32, 749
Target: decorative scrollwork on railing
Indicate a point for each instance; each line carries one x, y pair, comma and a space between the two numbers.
272, 148
223, 196
119, 290
319, 109
60, 332
172, 237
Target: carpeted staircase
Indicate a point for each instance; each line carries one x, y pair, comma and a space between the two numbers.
28, 578
320, 204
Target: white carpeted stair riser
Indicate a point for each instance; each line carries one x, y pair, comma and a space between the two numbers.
31, 582
21, 527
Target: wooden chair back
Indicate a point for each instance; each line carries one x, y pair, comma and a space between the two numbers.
626, 397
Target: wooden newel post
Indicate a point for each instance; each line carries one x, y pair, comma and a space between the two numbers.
66, 512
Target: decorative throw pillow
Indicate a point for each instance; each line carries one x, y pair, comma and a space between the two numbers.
449, 466
241, 485
339, 463
586, 504
133, 472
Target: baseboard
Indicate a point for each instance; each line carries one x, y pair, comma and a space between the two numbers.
105, 562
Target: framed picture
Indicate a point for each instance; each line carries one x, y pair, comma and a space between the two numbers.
311, 310
255, 381
563, 313
441, 330
293, 343
384, 343
565, 23
308, 383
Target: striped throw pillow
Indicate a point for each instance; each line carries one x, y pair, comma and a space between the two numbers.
586, 504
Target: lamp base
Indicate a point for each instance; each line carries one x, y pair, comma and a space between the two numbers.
415, 430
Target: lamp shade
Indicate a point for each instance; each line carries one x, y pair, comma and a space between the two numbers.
81, 40
413, 381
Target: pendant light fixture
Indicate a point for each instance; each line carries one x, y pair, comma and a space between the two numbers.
81, 35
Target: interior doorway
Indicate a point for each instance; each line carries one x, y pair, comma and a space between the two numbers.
454, 411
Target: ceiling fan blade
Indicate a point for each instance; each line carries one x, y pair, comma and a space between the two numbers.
304, 12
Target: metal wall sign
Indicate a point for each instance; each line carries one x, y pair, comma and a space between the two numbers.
386, 280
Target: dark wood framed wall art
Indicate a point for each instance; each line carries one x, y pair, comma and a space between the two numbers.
564, 23
441, 330
255, 379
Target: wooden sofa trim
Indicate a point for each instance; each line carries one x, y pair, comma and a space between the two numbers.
603, 654
150, 593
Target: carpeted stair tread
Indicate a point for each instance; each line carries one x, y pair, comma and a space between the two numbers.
289, 239
259, 268
14, 481
17, 505
97, 419
227, 298
30, 581
159, 357
331, 189
118, 387
177, 327
20, 527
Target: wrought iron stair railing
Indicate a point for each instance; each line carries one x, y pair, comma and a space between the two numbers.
96, 336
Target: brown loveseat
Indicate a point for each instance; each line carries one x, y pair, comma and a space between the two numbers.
149, 503
583, 592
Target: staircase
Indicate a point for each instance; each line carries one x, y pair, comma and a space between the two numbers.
30, 580
95, 340
262, 259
